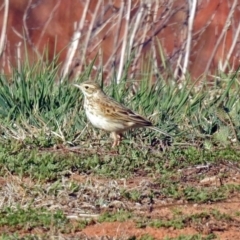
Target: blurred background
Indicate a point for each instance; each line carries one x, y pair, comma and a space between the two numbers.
196, 37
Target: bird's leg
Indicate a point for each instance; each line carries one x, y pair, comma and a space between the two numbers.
117, 137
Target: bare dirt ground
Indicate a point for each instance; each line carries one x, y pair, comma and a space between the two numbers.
220, 218
227, 227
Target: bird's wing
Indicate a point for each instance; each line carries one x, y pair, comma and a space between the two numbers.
117, 111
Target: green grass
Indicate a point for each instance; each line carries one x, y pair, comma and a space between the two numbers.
45, 139
31, 218
193, 237
35, 106
120, 216
49, 164
146, 237
182, 220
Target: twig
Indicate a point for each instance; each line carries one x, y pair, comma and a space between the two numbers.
82, 215
153, 42
89, 34
74, 43
116, 42
26, 32
47, 23
139, 44
79, 135
236, 38
178, 66
136, 26
95, 33
192, 8
225, 28
4, 27
18, 46
124, 44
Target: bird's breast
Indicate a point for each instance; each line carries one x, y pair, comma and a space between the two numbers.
104, 123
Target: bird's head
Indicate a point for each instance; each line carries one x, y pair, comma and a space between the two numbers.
89, 88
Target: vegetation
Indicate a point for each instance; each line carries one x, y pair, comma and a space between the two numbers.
50, 157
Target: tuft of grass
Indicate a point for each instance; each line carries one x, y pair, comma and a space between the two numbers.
133, 195
193, 237
120, 216
146, 237
30, 218
173, 223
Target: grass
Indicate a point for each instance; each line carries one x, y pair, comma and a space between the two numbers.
193, 237
120, 216
45, 141
30, 218
200, 221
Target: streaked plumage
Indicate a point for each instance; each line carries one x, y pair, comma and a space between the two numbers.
107, 114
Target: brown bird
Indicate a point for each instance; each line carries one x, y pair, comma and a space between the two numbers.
107, 114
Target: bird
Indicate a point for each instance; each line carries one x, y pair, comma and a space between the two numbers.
109, 115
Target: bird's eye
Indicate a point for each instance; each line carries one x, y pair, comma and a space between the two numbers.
86, 87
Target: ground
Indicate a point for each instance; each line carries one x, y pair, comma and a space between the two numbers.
195, 202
